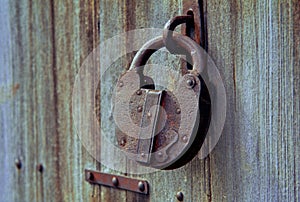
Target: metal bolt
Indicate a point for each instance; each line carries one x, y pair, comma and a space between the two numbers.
179, 196
91, 176
149, 114
190, 82
141, 186
121, 84
178, 111
40, 167
142, 154
140, 109
185, 138
18, 163
139, 92
115, 181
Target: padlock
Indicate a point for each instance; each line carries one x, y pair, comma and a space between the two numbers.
161, 128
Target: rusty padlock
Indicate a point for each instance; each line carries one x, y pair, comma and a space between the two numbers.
161, 128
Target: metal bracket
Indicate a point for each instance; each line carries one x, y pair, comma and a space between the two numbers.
170, 27
115, 181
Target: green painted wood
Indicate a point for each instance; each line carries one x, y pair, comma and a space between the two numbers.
255, 45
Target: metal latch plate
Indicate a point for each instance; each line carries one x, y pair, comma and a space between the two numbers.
116, 181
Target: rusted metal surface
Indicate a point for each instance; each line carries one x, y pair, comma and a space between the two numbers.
170, 27
184, 43
119, 182
183, 135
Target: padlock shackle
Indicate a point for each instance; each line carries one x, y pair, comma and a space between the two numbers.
191, 47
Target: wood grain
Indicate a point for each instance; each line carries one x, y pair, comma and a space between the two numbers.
256, 51
46, 44
256, 47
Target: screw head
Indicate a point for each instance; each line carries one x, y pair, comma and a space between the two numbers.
179, 196
149, 114
141, 186
18, 163
115, 181
178, 111
143, 154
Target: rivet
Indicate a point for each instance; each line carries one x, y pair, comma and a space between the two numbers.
18, 163
184, 138
140, 109
123, 142
159, 154
190, 82
121, 84
141, 186
179, 196
178, 111
40, 167
115, 181
142, 154
90, 176
149, 114
139, 92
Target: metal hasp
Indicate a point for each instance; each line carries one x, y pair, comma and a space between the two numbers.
150, 116
115, 181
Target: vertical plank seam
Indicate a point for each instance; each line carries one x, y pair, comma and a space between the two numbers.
55, 98
97, 189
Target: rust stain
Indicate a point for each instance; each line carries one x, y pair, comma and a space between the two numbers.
15, 88
7, 92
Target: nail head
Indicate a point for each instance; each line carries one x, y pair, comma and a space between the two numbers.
179, 196
40, 167
18, 163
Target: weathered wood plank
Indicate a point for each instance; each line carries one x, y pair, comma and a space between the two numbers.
75, 36
255, 49
7, 137
45, 46
250, 161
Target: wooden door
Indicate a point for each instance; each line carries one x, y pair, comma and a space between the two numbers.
254, 44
